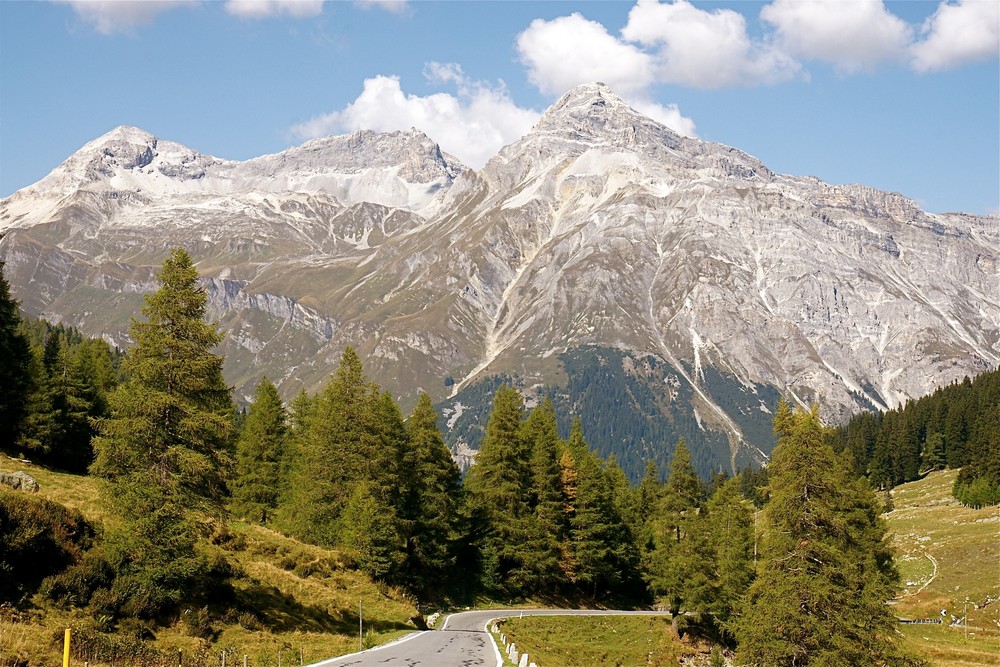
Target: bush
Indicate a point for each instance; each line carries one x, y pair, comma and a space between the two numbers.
38, 538
977, 493
77, 584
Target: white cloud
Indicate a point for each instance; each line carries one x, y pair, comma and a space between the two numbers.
111, 16
472, 125
255, 9
571, 50
853, 35
705, 49
667, 114
391, 6
958, 33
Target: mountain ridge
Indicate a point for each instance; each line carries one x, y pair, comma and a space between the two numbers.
600, 227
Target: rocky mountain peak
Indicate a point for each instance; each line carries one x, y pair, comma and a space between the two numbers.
593, 113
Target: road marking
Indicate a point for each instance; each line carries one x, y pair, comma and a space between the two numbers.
395, 642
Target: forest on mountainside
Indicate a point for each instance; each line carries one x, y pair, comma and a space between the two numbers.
957, 426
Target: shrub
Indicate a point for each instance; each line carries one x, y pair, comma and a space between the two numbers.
38, 538
977, 493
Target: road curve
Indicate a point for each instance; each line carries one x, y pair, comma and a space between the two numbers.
462, 641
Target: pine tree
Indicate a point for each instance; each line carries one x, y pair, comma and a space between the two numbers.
434, 506
730, 520
674, 566
259, 452
826, 568
499, 484
164, 450
546, 525
15, 361
334, 447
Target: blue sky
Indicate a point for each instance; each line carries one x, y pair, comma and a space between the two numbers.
902, 96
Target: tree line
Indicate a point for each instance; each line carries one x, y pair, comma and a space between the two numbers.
802, 581
957, 426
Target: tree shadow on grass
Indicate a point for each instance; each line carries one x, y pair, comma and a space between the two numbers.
280, 612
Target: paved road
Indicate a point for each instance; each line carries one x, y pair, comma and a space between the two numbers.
462, 641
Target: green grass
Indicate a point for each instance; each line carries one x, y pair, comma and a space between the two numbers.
591, 641
288, 596
946, 554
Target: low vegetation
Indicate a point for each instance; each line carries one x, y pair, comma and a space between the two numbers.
287, 596
623, 641
947, 553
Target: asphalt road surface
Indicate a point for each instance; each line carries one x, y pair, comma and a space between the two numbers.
461, 641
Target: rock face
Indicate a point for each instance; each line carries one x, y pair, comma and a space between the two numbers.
600, 229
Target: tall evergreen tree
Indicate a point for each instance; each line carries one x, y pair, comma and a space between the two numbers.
260, 450
165, 447
546, 525
334, 447
57, 429
676, 567
15, 361
826, 571
434, 507
730, 529
499, 484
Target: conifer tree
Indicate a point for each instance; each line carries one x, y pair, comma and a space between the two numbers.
259, 453
604, 551
369, 530
435, 504
499, 484
675, 566
730, 521
57, 428
334, 447
171, 423
15, 361
546, 525
165, 447
826, 568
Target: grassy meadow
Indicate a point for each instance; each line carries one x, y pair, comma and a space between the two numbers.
289, 597
947, 554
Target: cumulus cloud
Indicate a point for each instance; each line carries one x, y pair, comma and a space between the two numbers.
705, 49
853, 35
255, 9
667, 114
958, 33
111, 16
571, 50
472, 124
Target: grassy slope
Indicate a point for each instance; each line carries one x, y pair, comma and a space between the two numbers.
947, 553
301, 595
626, 641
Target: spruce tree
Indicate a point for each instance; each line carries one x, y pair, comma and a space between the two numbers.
546, 525
259, 452
675, 565
334, 447
826, 570
435, 505
15, 362
730, 522
164, 450
57, 429
499, 483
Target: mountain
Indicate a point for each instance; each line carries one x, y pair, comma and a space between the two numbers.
656, 285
